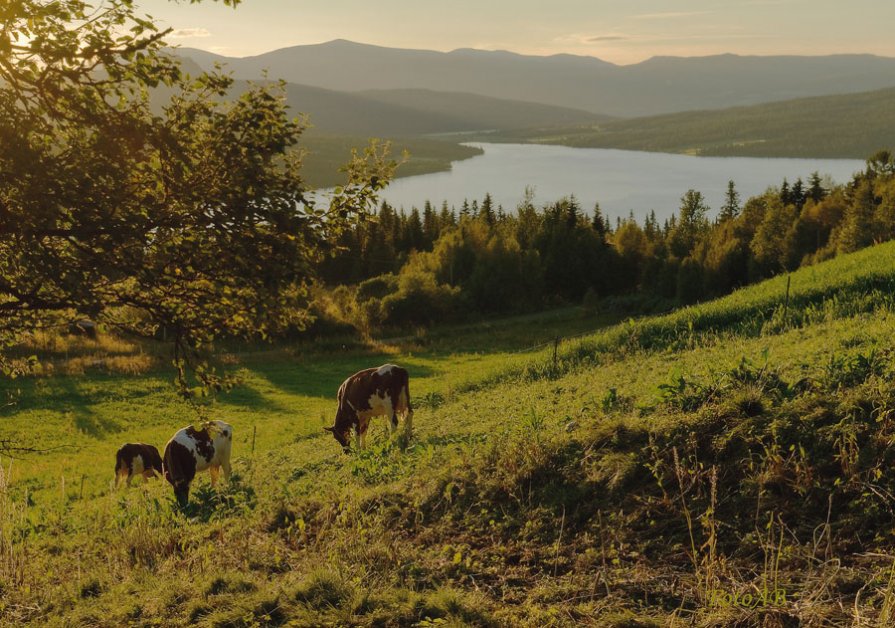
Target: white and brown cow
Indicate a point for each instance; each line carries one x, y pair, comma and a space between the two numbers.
137, 459
190, 451
382, 391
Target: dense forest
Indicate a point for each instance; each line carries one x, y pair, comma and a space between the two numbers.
442, 264
836, 126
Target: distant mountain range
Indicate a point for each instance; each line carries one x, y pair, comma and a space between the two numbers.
657, 86
411, 112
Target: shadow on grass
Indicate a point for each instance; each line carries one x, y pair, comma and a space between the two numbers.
321, 377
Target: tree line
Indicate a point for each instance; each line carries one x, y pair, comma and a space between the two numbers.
441, 265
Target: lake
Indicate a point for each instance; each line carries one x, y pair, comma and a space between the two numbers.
619, 180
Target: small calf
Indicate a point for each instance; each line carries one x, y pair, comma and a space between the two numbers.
137, 459
191, 450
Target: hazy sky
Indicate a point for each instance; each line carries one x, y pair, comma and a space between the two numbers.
621, 31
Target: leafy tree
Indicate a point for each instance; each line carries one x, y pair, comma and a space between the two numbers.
857, 227
770, 243
505, 278
689, 281
190, 217
632, 247
881, 163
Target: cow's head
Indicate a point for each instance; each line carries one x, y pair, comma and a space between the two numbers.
155, 461
343, 436
182, 493
181, 487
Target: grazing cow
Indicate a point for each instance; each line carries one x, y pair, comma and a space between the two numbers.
191, 450
137, 459
368, 393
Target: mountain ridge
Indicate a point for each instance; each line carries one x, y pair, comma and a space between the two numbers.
659, 85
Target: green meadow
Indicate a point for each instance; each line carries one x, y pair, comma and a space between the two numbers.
647, 472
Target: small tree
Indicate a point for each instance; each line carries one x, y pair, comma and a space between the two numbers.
731, 207
691, 224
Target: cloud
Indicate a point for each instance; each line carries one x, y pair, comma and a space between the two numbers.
189, 33
578, 39
669, 15
599, 38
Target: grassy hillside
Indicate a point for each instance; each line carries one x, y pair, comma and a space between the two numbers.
846, 126
653, 473
482, 112
326, 154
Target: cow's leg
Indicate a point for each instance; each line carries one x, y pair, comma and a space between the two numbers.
408, 423
358, 442
213, 471
129, 477
226, 467
393, 423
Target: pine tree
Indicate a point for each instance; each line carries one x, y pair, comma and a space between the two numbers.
798, 196
414, 236
598, 222
816, 191
430, 226
785, 196
446, 218
731, 207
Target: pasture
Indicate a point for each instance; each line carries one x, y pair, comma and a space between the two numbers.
652, 468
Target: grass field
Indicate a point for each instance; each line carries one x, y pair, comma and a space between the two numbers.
653, 472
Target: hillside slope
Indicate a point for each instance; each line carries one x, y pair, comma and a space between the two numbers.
843, 126
656, 86
653, 473
406, 113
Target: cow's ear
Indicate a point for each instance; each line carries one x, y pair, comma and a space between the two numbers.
329, 429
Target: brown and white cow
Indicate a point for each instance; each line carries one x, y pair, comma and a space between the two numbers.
137, 459
190, 451
368, 393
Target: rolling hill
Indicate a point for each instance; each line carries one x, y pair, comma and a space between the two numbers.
652, 473
841, 126
656, 86
415, 112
